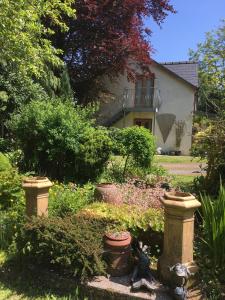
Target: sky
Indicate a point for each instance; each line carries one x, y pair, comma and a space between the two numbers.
183, 30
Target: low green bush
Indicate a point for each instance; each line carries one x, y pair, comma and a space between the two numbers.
73, 244
114, 172
127, 217
10, 223
67, 199
11, 192
4, 163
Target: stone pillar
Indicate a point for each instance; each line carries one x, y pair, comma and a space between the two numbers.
178, 232
36, 191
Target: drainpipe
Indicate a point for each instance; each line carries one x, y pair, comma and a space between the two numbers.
154, 120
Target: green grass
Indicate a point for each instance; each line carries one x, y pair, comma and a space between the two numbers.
176, 159
177, 179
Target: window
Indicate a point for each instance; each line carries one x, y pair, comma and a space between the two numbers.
147, 123
144, 91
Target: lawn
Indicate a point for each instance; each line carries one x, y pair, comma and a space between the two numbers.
177, 159
178, 180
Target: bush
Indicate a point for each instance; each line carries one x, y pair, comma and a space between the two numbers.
136, 145
4, 163
127, 217
210, 144
114, 172
67, 199
59, 140
11, 192
10, 222
74, 244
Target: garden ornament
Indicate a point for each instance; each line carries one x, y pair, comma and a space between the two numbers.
180, 275
141, 276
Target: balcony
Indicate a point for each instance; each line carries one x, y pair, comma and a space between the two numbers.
141, 99
131, 100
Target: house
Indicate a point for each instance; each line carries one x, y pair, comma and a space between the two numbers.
163, 102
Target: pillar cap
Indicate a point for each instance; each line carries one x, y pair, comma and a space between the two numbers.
37, 182
179, 196
179, 200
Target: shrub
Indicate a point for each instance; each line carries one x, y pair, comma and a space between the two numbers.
210, 144
59, 140
11, 192
114, 172
10, 222
4, 163
65, 199
128, 217
136, 145
74, 243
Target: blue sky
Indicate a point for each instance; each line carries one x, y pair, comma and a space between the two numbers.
183, 30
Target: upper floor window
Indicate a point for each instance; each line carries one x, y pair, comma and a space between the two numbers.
144, 92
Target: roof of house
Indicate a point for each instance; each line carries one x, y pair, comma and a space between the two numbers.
187, 70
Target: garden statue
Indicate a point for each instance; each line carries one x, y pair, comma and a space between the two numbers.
180, 275
142, 276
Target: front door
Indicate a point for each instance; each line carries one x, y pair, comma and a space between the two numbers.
147, 123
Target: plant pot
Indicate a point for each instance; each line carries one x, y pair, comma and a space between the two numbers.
36, 191
109, 193
118, 253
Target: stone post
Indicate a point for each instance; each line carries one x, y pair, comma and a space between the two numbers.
178, 232
36, 191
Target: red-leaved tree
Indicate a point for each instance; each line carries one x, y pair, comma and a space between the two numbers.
104, 37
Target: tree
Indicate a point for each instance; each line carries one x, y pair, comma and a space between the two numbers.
211, 57
105, 37
23, 37
28, 59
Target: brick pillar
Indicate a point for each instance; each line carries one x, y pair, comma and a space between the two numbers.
36, 191
178, 232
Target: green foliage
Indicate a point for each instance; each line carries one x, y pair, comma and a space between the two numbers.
213, 215
59, 139
28, 61
127, 217
136, 144
210, 55
114, 172
10, 222
23, 38
210, 144
4, 163
73, 243
11, 192
67, 199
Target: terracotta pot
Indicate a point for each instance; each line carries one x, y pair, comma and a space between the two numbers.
109, 193
118, 253
36, 190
